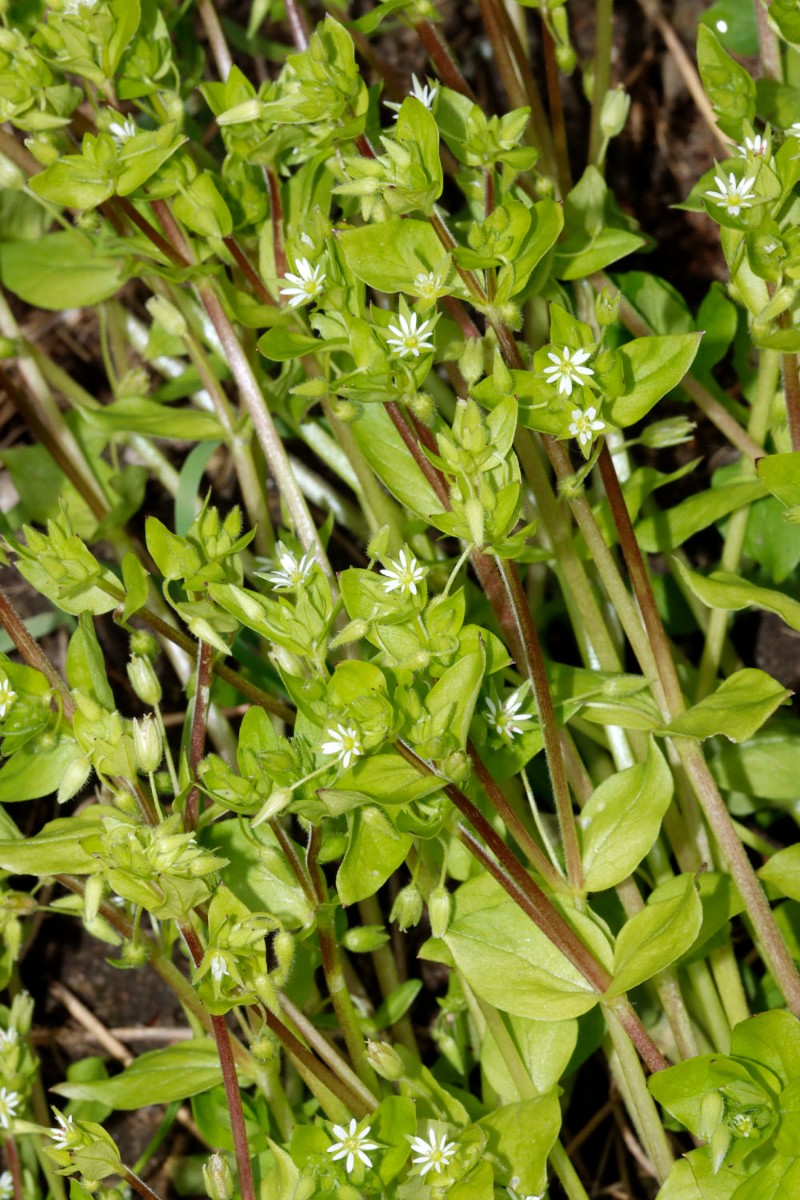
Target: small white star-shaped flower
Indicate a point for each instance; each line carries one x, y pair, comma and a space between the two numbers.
432, 1155
309, 283
345, 743
352, 1144
424, 93
9, 1103
409, 338
63, 1133
567, 369
290, 572
219, 968
505, 718
754, 145
428, 285
7, 698
744, 1124
6, 1185
8, 1037
733, 195
584, 425
123, 131
403, 574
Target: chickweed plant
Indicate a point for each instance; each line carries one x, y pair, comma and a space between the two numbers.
478, 829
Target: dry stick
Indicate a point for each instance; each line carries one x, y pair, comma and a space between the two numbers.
12, 1158
197, 741
253, 400
560, 143
686, 67
442, 59
774, 949
229, 1080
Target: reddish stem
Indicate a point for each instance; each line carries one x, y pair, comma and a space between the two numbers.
297, 24
276, 218
442, 59
252, 275
197, 742
14, 1166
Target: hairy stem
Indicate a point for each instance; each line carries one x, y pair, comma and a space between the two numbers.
138, 1184
197, 740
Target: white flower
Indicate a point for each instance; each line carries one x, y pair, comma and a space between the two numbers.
430, 1155
513, 1195
427, 285
744, 1124
408, 339
584, 425
733, 195
291, 572
754, 145
505, 718
219, 968
794, 131
7, 698
123, 131
73, 7
352, 1145
63, 1134
9, 1103
309, 282
345, 743
567, 369
403, 575
6, 1185
8, 1037
425, 94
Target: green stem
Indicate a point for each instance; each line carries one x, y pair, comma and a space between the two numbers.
729, 984
568, 1176
639, 1102
603, 23
330, 1055
758, 427
379, 507
388, 975
717, 1023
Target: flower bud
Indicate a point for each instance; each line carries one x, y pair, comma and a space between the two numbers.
365, 938
147, 746
92, 896
278, 801
74, 779
407, 907
606, 307
144, 680
218, 1178
423, 407
440, 907
249, 110
471, 361
344, 410
134, 954
457, 766
385, 1061
264, 1048
673, 431
283, 947
614, 113
719, 1145
21, 1015
144, 644
712, 1110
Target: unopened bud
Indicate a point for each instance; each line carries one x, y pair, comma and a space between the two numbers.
606, 307
423, 407
264, 1048
363, 939
712, 1110
283, 947
144, 680
74, 779
719, 1145
473, 511
471, 360
11, 177
385, 1061
278, 801
407, 907
218, 1178
143, 644
614, 112
440, 907
167, 315
457, 766
21, 1015
93, 894
134, 954
250, 110
673, 431
147, 746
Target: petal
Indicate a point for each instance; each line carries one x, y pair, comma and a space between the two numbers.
351, 1162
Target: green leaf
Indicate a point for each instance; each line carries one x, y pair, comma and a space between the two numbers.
37, 768
596, 231
397, 1003
736, 710
136, 414
374, 852
621, 820
508, 961
388, 256
681, 1089
730, 592
60, 270
545, 1047
387, 454
656, 937
137, 586
780, 474
86, 667
156, 1077
771, 540
520, 1136
257, 873
451, 700
652, 366
783, 871
771, 1039
767, 766
730, 87
55, 850
191, 474
666, 530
